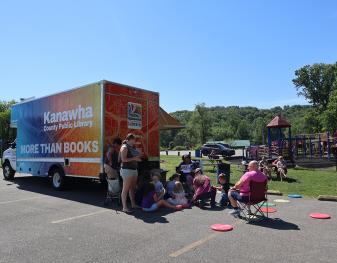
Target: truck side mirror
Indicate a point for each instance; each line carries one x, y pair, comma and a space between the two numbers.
13, 145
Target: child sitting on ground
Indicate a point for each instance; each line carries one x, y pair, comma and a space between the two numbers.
178, 194
171, 184
159, 188
224, 192
202, 189
151, 203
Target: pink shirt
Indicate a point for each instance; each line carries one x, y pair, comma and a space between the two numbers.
255, 176
201, 186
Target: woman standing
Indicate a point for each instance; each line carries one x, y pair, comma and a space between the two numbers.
129, 158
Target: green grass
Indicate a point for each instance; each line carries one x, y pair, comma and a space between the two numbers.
307, 182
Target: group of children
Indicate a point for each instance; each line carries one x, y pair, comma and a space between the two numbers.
177, 195
156, 196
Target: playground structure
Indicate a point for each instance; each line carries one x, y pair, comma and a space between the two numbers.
302, 146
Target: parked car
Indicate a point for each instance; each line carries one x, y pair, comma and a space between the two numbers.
217, 149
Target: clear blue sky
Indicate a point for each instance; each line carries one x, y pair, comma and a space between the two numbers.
217, 52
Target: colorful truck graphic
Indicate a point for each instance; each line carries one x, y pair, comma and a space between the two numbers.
67, 134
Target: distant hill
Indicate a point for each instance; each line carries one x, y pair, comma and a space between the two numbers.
233, 122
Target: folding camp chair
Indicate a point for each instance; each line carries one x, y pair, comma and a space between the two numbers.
257, 198
113, 192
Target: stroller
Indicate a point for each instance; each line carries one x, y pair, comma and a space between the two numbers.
113, 192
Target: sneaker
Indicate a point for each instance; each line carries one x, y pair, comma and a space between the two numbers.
235, 212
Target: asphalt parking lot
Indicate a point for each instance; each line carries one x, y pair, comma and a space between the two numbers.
38, 224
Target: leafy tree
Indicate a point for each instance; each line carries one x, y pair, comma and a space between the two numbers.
243, 130
6, 133
330, 115
316, 83
259, 131
221, 131
201, 121
312, 121
6, 105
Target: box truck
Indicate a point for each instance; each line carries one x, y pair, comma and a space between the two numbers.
66, 134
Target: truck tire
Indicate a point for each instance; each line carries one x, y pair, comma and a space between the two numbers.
8, 171
58, 179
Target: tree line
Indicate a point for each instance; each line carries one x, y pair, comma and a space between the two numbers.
317, 83
231, 123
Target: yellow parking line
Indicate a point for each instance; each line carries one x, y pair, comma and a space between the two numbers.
199, 242
18, 200
79, 216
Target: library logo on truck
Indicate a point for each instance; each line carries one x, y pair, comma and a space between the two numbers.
134, 116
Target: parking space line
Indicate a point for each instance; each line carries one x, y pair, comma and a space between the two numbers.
19, 200
193, 245
198, 243
79, 216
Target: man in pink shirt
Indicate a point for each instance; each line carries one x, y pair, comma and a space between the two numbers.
240, 191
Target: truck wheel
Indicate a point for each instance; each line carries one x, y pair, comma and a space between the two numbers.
58, 179
8, 171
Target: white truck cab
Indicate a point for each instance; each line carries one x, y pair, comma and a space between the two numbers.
9, 162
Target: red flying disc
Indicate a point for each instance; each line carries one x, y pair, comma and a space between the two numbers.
320, 216
221, 227
268, 210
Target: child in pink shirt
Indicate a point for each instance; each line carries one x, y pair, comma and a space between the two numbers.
202, 188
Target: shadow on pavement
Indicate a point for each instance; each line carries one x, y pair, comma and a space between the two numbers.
275, 223
79, 190
211, 209
87, 192
154, 217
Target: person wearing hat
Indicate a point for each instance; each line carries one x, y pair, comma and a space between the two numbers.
203, 190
